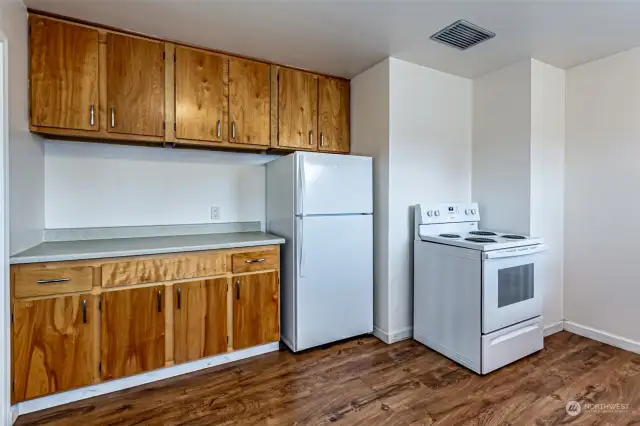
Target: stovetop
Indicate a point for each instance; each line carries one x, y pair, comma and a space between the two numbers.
482, 239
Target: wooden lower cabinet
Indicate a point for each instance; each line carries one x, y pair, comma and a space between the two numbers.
133, 330
53, 344
114, 323
200, 319
255, 310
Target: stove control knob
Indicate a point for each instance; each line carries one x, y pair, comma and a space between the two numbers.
467, 212
437, 213
429, 213
473, 211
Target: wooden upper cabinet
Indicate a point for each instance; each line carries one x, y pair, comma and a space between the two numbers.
249, 102
64, 75
333, 115
297, 109
200, 319
135, 85
133, 338
53, 343
255, 310
200, 96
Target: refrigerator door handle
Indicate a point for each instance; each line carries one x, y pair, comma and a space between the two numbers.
302, 182
301, 239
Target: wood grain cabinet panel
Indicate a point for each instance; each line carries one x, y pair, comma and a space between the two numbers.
254, 261
255, 310
51, 279
297, 109
53, 343
158, 269
200, 319
200, 97
333, 115
135, 85
133, 327
64, 75
249, 102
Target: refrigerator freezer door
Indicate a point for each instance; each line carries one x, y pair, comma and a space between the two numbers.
334, 184
334, 278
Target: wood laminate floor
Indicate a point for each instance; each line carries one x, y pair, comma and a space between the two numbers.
365, 382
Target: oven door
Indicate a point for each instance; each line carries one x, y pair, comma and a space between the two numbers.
511, 292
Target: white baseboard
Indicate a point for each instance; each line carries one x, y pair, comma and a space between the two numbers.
14, 414
396, 336
140, 379
381, 334
553, 328
602, 336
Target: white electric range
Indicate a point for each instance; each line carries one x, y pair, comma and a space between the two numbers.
477, 293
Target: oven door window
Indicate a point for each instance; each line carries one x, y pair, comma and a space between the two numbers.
515, 284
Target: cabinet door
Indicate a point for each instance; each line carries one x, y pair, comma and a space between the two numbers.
135, 85
200, 319
132, 331
297, 109
255, 310
333, 115
53, 344
200, 98
64, 75
249, 102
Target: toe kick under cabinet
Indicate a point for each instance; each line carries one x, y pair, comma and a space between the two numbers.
77, 323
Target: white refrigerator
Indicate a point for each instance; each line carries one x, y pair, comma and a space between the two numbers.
322, 204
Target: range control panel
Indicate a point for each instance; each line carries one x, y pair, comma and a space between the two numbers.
446, 213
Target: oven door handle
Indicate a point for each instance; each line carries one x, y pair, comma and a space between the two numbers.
518, 251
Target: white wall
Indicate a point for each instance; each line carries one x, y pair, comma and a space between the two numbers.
518, 163
416, 123
601, 195
26, 152
25, 174
502, 147
547, 180
94, 185
429, 161
370, 136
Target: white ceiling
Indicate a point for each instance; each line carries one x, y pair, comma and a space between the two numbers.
346, 37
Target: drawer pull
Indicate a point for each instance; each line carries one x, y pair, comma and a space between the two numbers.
238, 290
255, 261
179, 300
53, 281
159, 300
84, 311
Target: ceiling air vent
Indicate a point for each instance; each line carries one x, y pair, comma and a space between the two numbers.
462, 35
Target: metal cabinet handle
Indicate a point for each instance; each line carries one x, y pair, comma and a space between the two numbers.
53, 281
84, 311
113, 117
179, 300
238, 290
159, 300
255, 261
92, 117
321, 138
310, 137
233, 130
218, 128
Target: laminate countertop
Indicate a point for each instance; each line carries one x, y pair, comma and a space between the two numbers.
56, 251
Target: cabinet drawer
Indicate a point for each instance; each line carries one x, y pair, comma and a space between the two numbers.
46, 281
160, 269
254, 261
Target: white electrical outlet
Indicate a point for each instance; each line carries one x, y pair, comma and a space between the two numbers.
215, 212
